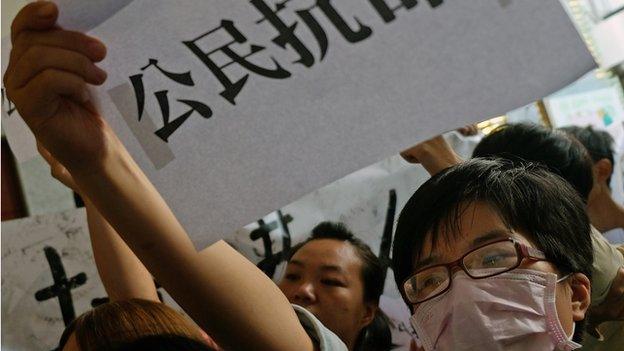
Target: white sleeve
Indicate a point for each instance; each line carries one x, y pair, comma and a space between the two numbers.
320, 335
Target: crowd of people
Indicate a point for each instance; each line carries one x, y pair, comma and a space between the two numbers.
500, 252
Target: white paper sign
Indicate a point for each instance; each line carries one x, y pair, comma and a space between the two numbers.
234, 108
49, 277
32, 314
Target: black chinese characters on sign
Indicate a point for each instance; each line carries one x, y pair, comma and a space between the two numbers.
241, 52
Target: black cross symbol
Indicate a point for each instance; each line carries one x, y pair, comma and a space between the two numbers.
62, 286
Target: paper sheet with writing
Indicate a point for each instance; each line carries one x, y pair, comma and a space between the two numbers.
235, 108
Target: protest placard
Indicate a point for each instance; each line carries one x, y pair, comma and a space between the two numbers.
235, 108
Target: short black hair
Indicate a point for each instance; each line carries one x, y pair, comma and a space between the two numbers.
558, 151
372, 267
598, 143
527, 198
377, 334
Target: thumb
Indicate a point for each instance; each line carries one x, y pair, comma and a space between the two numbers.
38, 15
409, 156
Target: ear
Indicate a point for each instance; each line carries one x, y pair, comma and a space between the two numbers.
603, 169
370, 310
581, 296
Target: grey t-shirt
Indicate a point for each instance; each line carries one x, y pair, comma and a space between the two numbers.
607, 261
320, 335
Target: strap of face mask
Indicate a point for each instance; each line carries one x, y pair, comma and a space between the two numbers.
565, 277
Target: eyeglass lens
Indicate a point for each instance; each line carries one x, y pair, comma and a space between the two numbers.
483, 262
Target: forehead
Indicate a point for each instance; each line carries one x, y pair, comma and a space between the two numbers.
477, 224
328, 252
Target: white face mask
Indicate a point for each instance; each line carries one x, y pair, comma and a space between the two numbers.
511, 311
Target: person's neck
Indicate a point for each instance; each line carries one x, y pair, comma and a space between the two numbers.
604, 212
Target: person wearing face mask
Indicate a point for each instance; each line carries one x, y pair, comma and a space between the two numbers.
336, 276
495, 256
567, 157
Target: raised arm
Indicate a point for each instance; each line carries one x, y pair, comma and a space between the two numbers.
123, 275
230, 298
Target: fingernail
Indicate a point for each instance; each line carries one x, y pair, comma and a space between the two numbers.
46, 10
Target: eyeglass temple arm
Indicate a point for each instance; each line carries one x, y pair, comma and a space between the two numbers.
532, 253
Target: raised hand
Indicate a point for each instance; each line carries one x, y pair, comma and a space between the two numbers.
434, 154
47, 77
469, 130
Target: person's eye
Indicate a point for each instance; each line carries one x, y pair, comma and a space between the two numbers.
291, 277
426, 285
491, 260
432, 282
496, 259
332, 282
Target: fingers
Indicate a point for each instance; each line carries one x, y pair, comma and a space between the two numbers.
48, 63
40, 97
469, 130
414, 153
40, 58
409, 156
434, 155
40, 46
38, 15
59, 38
420, 150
